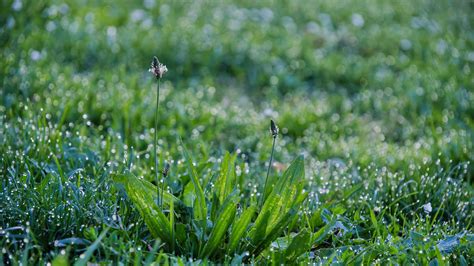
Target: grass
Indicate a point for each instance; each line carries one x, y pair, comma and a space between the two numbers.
372, 164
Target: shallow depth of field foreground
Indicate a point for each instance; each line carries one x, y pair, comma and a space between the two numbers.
236, 132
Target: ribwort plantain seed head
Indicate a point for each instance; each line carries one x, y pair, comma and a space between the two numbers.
166, 170
273, 128
157, 68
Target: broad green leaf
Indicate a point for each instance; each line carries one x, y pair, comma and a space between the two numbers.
259, 228
277, 212
291, 198
200, 209
226, 179
276, 231
143, 199
188, 195
215, 205
290, 189
322, 233
294, 172
280, 208
240, 227
300, 244
225, 218
180, 232
148, 188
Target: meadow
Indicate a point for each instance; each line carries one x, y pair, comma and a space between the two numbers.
370, 160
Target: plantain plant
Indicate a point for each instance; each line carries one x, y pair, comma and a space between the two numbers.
218, 222
158, 70
233, 230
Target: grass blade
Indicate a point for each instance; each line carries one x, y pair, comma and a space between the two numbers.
148, 188
294, 173
84, 258
300, 244
240, 227
142, 197
276, 231
224, 220
226, 179
259, 228
200, 209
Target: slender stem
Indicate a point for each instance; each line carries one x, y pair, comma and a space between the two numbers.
268, 171
162, 191
156, 139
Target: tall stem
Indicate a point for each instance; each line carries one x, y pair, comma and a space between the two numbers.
268, 172
162, 191
156, 141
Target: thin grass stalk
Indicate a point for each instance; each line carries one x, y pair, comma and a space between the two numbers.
156, 143
274, 131
164, 174
158, 70
162, 191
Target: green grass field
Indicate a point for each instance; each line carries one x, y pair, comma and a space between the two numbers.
372, 164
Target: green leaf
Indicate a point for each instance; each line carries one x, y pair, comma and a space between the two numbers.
200, 208
276, 231
148, 188
292, 197
188, 195
60, 260
439, 257
225, 218
259, 228
226, 179
240, 227
294, 173
322, 233
180, 232
142, 196
290, 189
84, 258
280, 208
300, 244
374, 221
171, 217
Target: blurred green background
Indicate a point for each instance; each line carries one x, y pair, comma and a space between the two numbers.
370, 80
